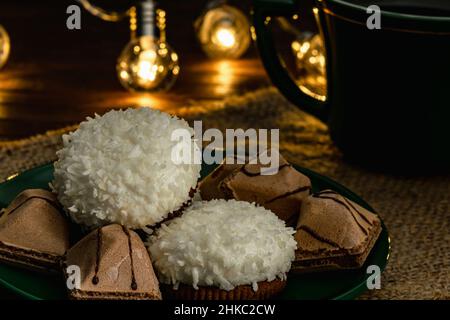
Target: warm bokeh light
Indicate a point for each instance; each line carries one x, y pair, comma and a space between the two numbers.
5, 46
224, 77
225, 37
146, 67
223, 32
148, 100
147, 64
311, 64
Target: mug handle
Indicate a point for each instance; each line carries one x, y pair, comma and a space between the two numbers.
271, 61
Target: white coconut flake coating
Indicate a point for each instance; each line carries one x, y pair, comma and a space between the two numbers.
223, 244
118, 168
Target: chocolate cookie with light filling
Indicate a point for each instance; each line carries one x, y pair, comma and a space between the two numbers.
333, 232
281, 192
33, 232
114, 264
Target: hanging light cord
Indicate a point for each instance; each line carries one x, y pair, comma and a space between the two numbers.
103, 14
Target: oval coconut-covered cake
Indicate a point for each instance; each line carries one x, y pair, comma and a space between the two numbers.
119, 168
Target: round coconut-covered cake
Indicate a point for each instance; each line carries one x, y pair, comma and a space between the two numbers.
222, 244
119, 168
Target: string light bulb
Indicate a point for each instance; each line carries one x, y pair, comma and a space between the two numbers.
223, 31
5, 46
147, 63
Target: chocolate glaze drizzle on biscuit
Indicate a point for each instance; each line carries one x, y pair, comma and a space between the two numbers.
95, 279
133, 278
253, 174
287, 194
317, 236
347, 205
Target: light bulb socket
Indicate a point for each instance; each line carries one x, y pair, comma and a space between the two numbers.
143, 19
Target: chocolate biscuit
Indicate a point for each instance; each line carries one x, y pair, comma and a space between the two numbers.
333, 232
114, 264
33, 232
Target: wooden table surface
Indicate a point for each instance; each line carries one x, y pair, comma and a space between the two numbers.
56, 77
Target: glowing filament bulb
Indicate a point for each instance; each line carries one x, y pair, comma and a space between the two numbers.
223, 31
226, 38
146, 67
147, 64
147, 71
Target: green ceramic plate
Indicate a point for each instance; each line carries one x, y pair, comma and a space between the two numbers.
324, 285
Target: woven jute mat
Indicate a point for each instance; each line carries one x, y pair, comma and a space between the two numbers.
415, 210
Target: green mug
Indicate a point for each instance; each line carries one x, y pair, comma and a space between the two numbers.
388, 89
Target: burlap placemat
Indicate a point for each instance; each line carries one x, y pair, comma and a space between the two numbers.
415, 210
